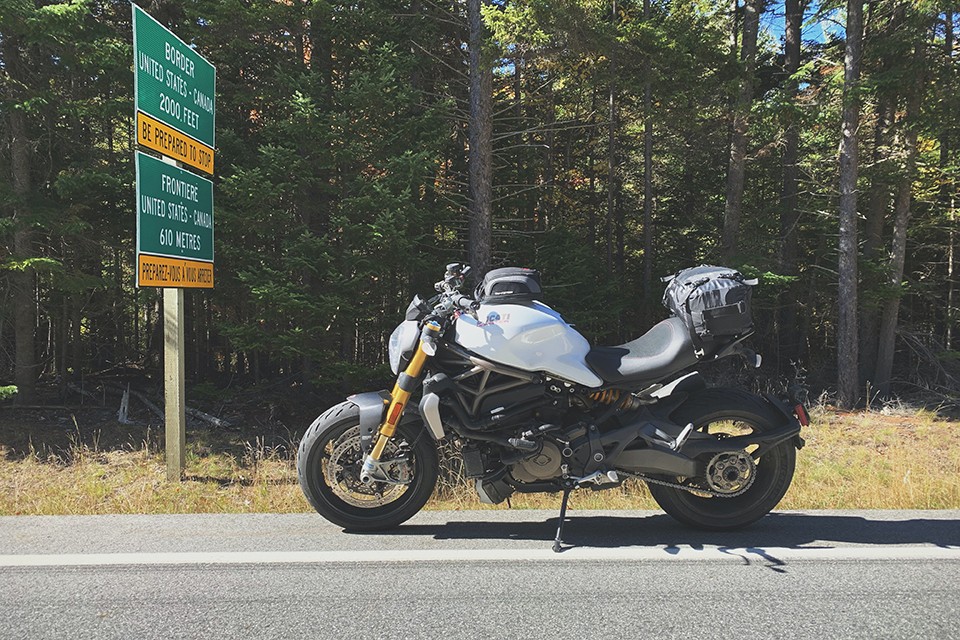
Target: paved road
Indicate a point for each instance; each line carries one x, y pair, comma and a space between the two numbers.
483, 574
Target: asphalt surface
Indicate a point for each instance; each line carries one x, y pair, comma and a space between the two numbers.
488, 574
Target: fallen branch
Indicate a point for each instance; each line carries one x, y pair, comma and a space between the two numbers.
149, 404
206, 417
81, 391
190, 411
941, 379
58, 407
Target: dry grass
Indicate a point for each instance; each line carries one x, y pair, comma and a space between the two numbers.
902, 460
88, 481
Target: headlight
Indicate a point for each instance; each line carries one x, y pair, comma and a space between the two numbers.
402, 342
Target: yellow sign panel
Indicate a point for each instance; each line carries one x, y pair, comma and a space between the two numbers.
157, 271
170, 142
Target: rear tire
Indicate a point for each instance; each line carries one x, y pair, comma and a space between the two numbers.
773, 474
328, 465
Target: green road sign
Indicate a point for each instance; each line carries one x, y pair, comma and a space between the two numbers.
172, 82
174, 211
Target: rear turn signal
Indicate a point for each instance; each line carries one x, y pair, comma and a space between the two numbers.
801, 414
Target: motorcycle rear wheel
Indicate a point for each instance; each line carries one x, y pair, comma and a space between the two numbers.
720, 411
328, 467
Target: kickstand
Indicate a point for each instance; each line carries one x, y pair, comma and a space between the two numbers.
557, 548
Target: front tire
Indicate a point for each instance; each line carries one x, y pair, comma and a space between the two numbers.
716, 410
328, 467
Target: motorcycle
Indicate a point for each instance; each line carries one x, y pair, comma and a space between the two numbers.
535, 408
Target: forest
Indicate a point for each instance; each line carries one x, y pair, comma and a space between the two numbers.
363, 145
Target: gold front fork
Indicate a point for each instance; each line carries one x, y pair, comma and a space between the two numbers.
406, 384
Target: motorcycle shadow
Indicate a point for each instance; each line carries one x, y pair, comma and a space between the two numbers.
659, 530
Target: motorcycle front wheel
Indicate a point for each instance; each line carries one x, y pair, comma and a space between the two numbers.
730, 412
328, 467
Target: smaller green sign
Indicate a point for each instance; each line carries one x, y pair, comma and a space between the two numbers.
172, 82
174, 211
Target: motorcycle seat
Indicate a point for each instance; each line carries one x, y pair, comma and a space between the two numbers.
663, 350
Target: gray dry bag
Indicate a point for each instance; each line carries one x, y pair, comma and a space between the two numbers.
713, 302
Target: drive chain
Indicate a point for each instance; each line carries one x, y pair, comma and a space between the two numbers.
694, 490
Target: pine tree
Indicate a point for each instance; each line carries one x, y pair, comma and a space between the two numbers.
847, 361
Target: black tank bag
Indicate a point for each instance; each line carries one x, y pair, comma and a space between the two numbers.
713, 302
509, 285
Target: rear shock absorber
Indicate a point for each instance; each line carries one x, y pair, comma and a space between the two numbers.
620, 399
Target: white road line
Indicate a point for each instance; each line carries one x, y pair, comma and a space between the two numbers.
749, 555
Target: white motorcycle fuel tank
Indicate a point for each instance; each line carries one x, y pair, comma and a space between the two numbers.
532, 337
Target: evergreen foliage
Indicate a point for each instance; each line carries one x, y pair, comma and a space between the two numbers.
342, 178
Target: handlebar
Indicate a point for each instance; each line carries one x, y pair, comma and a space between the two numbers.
450, 299
450, 302
464, 302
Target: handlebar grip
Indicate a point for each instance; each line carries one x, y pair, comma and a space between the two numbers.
464, 302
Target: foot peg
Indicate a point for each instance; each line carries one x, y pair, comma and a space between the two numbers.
682, 438
599, 477
674, 444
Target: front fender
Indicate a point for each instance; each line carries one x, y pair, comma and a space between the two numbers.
372, 405
373, 408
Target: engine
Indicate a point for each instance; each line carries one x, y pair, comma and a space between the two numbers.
544, 465
522, 432
563, 451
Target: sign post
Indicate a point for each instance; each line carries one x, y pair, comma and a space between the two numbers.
175, 108
174, 383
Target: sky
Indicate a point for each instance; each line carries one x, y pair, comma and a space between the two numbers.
814, 30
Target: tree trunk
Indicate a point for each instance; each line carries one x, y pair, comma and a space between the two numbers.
789, 200
734, 28
738, 138
546, 203
315, 198
22, 280
898, 250
946, 195
878, 201
951, 289
877, 204
524, 214
480, 156
647, 173
76, 335
25, 307
847, 352
592, 174
611, 153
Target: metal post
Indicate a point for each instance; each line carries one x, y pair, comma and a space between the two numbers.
174, 373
